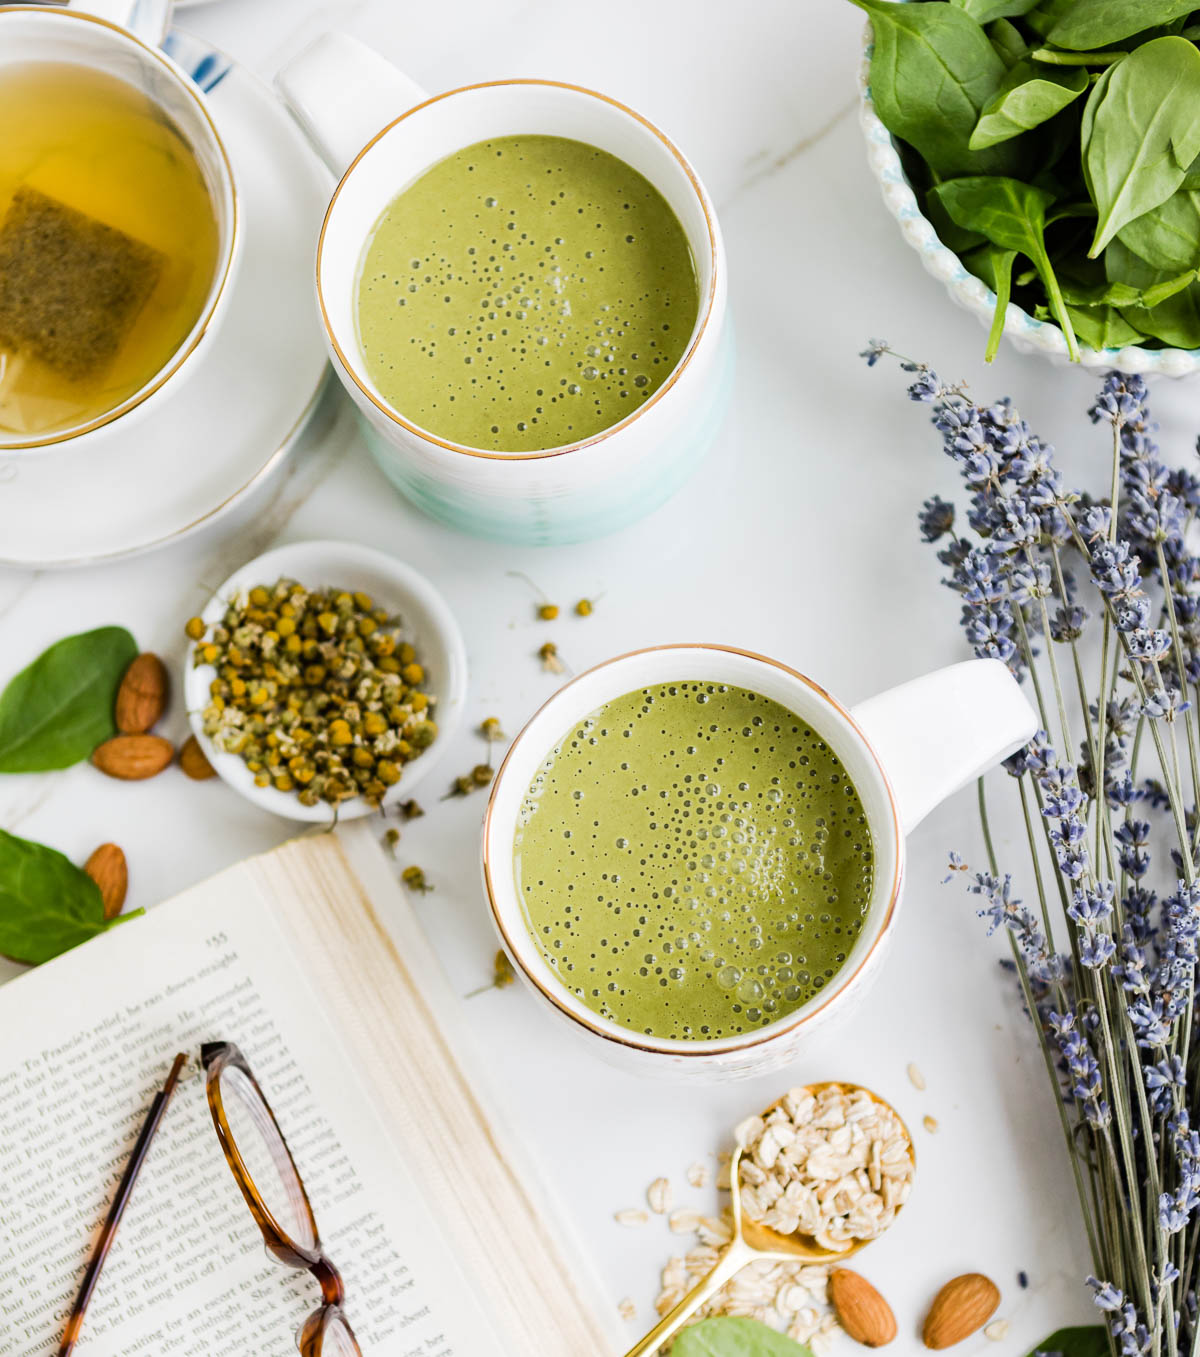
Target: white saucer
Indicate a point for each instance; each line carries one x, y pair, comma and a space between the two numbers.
198, 450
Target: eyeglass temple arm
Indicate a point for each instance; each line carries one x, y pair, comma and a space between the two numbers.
109, 1232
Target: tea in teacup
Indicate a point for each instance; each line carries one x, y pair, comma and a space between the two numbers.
525, 293
693, 861
108, 244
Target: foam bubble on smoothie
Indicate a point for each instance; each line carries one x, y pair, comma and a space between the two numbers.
693, 861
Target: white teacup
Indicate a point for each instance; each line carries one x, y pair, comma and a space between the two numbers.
97, 33
380, 132
905, 751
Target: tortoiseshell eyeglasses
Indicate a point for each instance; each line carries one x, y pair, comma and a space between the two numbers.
266, 1174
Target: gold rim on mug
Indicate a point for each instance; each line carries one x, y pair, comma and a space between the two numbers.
724, 1045
177, 359
394, 415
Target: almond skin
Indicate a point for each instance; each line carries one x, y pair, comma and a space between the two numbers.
194, 761
142, 696
860, 1309
133, 757
959, 1308
108, 870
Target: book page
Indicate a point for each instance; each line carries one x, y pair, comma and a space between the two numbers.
86, 1041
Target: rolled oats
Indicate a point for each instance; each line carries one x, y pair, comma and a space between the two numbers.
631, 1216
658, 1195
697, 1175
916, 1078
627, 1309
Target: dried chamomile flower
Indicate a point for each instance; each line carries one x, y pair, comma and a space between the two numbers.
546, 611
584, 608
315, 690
479, 776
411, 810
491, 730
414, 879
503, 975
391, 839
548, 654
461, 786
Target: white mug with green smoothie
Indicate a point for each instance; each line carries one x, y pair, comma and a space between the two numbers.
695, 855
523, 289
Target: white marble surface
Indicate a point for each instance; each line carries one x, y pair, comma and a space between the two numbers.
796, 539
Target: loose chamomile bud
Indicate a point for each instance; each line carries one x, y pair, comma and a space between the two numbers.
490, 730
414, 879
584, 607
481, 774
391, 839
411, 810
546, 611
195, 628
503, 975
548, 654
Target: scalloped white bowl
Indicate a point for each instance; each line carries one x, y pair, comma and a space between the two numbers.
1024, 332
427, 621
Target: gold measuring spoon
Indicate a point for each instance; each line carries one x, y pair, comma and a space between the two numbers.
752, 1241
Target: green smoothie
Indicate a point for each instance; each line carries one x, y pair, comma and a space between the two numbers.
693, 861
525, 293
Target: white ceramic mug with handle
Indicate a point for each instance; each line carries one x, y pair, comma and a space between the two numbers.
904, 750
120, 37
379, 131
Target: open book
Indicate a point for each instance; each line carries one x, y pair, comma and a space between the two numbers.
445, 1246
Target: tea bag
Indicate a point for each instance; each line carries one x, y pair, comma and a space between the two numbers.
70, 286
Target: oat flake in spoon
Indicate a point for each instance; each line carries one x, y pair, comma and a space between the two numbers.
822, 1173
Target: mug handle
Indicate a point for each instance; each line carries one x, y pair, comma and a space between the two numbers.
145, 19
342, 93
935, 734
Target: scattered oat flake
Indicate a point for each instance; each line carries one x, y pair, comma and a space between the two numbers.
997, 1330
931, 1125
627, 1309
916, 1078
697, 1175
631, 1216
658, 1195
684, 1221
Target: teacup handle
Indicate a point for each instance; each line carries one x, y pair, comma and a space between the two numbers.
146, 19
342, 93
935, 734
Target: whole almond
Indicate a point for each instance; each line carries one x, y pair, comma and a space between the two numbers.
959, 1308
194, 761
108, 870
861, 1310
133, 757
142, 696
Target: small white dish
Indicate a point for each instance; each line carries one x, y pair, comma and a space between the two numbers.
426, 620
256, 379
1023, 331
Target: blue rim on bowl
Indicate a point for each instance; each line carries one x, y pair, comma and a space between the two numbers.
1026, 334
425, 618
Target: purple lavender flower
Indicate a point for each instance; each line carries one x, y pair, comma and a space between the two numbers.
936, 518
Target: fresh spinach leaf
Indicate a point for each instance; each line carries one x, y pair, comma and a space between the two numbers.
994, 266
47, 904
1168, 236
1100, 327
731, 1337
1089, 24
1042, 18
932, 71
1143, 132
1013, 216
1007, 40
1126, 294
984, 11
1028, 96
1082, 1341
1175, 320
56, 711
